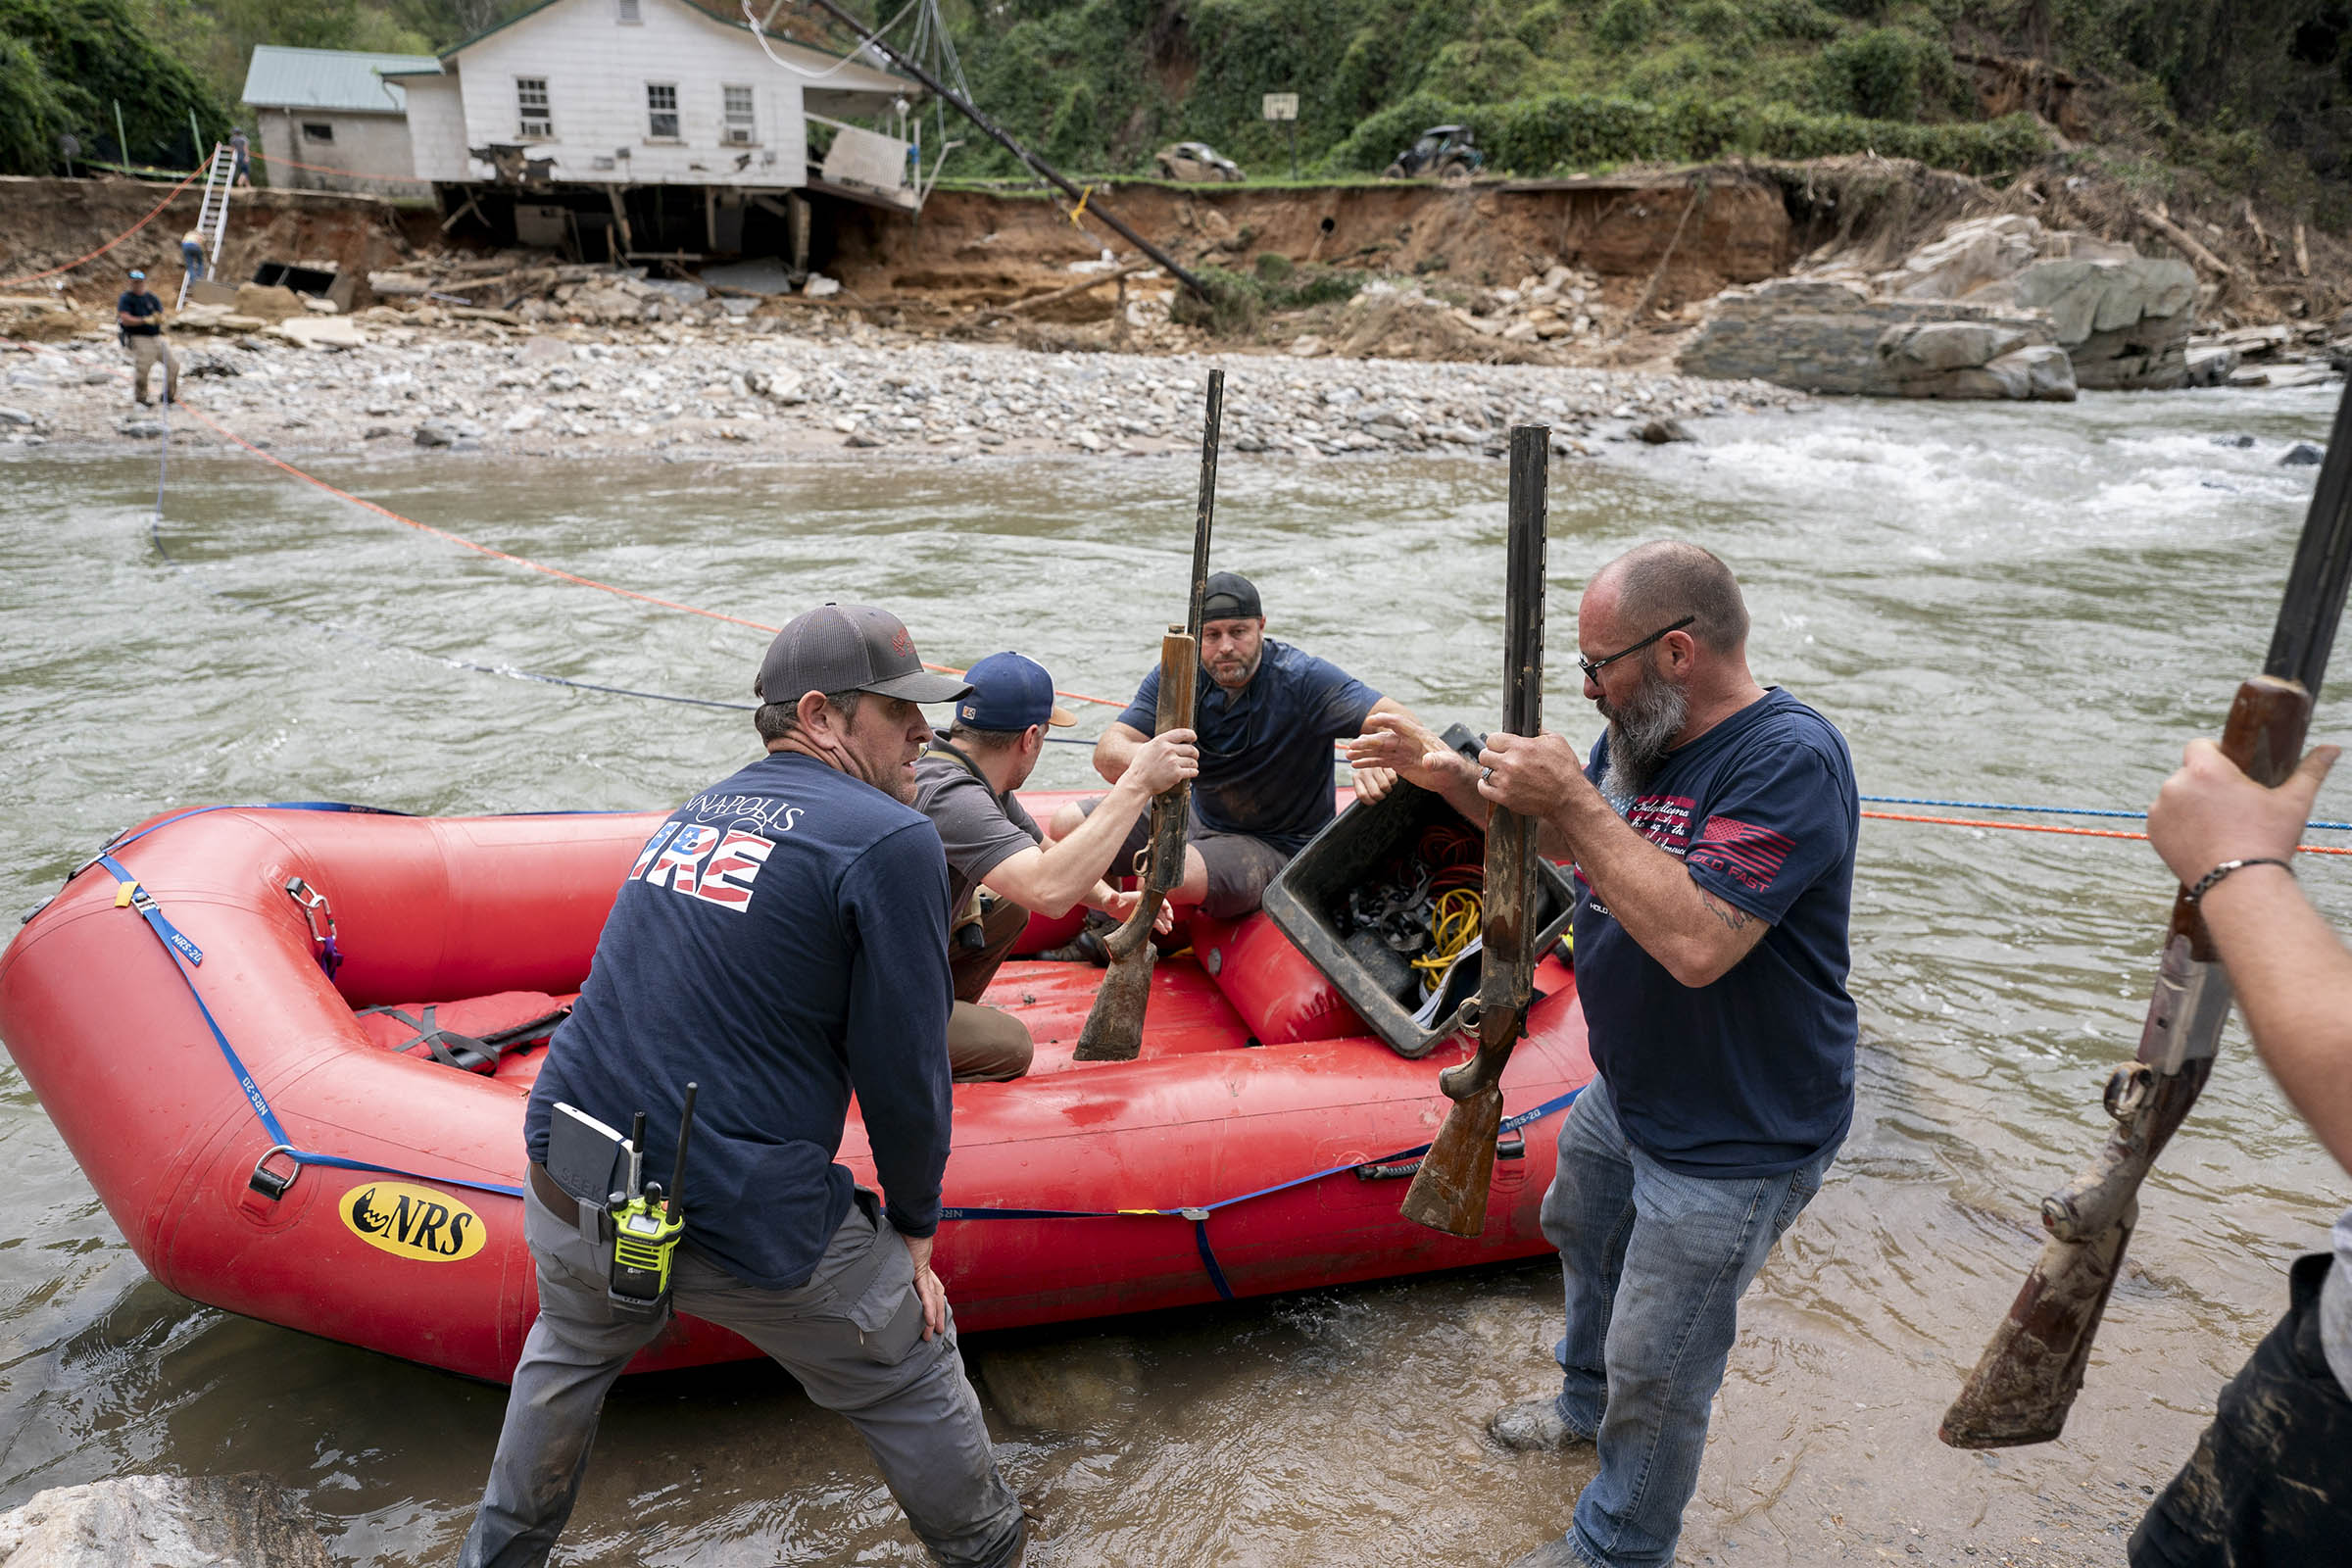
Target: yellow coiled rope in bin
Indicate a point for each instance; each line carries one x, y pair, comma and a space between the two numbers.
1454, 922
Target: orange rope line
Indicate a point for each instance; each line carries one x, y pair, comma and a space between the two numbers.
525, 562
29, 277
2075, 832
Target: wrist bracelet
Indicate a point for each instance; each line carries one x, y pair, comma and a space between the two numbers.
2205, 883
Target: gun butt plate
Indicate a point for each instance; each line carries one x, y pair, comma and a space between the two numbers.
1449, 1191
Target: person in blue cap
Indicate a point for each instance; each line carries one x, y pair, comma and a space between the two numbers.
140, 317
1000, 869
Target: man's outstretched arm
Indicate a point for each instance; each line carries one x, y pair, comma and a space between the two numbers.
2291, 972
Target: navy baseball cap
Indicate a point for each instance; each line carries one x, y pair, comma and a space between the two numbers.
1230, 596
1009, 692
840, 648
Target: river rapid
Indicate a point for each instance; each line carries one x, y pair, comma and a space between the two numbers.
2023, 603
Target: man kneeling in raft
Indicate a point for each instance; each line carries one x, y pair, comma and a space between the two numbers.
1266, 714
1000, 869
782, 943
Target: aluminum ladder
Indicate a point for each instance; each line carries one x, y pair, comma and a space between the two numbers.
212, 218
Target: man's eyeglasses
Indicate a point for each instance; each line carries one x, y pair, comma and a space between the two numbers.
1593, 667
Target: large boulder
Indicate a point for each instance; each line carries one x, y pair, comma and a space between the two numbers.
1833, 336
162, 1522
2122, 319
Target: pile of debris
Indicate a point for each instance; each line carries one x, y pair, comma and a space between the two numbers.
1561, 304
2280, 356
524, 288
1560, 310
313, 317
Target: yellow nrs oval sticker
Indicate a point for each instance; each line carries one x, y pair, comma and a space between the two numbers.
413, 1222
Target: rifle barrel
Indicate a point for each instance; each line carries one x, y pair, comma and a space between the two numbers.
1204, 515
2323, 568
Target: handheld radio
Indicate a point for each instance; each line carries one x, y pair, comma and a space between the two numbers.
646, 1229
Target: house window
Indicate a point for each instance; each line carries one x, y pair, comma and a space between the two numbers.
741, 126
531, 107
662, 110
625, 11
317, 130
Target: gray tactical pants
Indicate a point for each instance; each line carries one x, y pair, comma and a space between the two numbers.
852, 1336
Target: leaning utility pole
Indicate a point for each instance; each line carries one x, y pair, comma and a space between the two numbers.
1045, 169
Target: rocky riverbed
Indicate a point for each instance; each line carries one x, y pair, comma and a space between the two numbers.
825, 385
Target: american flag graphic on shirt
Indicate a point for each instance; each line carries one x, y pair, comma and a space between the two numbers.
1750, 856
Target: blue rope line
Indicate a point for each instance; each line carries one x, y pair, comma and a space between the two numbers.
1199, 1211
2046, 811
1199, 1215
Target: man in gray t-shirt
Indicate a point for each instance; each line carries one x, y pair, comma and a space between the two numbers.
1000, 869
2272, 1477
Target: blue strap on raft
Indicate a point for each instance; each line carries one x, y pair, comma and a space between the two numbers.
1199, 1213
186, 956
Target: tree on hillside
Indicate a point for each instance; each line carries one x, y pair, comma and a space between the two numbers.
66, 64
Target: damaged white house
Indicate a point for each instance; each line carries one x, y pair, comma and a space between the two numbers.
654, 128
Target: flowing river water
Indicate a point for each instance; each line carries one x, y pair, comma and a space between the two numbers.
2035, 604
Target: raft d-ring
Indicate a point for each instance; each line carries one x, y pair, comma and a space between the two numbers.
321, 923
268, 1182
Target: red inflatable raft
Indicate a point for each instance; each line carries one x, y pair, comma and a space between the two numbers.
270, 1148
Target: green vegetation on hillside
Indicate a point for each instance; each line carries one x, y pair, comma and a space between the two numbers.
2255, 93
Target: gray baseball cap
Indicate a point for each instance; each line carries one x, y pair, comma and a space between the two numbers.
840, 648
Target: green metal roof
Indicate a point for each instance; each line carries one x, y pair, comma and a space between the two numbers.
330, 78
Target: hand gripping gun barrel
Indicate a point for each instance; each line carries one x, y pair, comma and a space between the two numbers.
2026, 1381
1449, 1191
1114, 1026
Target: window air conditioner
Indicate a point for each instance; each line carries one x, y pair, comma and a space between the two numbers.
536, 128
739, 135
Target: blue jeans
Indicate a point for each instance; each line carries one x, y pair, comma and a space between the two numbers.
1656, 1262
192, 258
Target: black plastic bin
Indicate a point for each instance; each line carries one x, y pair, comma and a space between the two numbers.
1308, 899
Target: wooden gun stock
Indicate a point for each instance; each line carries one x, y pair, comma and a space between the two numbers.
2028, 1378
1449, 1191
1115, 1025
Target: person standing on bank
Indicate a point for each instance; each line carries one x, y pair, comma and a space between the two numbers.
1266, 714
1000, 869
781, 940
2270, 1481
1713, 829
140, 316
242, 178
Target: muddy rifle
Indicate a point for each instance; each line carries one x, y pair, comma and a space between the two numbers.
1114, 1026
2026, 1381
1449, 1191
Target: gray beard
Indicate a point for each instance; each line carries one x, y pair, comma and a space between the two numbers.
1641, 731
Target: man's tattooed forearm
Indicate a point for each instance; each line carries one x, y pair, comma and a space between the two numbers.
1734, 919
